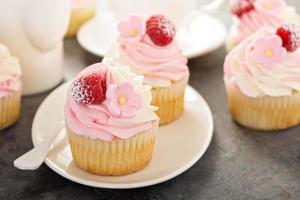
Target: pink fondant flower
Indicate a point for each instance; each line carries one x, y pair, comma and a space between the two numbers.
269, 6
131, 30
268, 50
122, 101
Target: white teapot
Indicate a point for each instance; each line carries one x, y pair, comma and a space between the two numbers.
33, 30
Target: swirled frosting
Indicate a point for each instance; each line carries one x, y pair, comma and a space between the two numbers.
281, 77
252, 21
10, 72
96, 121
160, 65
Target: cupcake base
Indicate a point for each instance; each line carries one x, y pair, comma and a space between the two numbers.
264, 113
169, 100
115, 158
9, 109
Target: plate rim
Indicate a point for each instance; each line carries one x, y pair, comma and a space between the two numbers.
96, 184
189, 56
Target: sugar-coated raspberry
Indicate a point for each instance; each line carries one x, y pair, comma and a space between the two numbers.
160, 30
290, 35
241, 7
89, 89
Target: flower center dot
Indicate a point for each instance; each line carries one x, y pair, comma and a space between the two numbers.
122, 100
269, 53
133, 32
268, 5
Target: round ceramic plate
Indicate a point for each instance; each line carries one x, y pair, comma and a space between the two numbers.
178, 146
204, 34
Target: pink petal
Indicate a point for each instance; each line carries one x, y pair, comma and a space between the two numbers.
124, 28
114, 108
135, 100
142, 30
263, 44
282, 54
112, 92
138, 23
275, 41
134, 18
277, 6
257, 55
125, 89
260, 42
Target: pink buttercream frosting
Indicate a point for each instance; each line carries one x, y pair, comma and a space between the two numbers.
160, 65
153, 61
260, 66
250, 22
6, 87
97, 121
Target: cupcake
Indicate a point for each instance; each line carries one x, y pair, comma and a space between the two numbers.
149, 48
110, 122
251, 15
10, 88
262, 78
82, 10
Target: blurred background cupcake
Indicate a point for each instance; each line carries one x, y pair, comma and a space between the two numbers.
82, 10
149, 48
262, 78
10, 88
251, 15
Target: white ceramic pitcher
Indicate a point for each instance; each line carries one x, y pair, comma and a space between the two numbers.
33, 30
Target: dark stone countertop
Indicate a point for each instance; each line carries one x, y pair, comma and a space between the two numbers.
239, 163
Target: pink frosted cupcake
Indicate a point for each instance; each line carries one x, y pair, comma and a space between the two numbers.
251, 15
262, 78
10, 88
149, 48
110, 122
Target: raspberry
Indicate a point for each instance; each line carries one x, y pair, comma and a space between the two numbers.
241, 7
290, 35
89, 89
160, 30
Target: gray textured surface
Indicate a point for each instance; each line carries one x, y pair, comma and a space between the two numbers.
239, 163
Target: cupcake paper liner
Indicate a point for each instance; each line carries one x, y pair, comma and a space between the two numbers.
264, 113
115, 158
9, 109
169, 100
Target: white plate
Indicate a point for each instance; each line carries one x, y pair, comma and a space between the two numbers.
204, 34
178, 145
